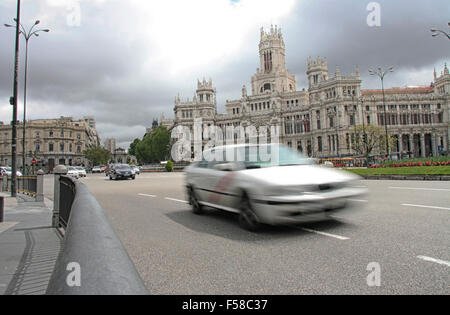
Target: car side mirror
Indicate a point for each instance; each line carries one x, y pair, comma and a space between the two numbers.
224, 167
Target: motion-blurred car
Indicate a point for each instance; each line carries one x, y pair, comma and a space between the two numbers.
280, 186
6, 170
121, 171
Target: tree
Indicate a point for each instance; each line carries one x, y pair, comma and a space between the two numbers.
369, 139
97, 155
133, 145
155, 146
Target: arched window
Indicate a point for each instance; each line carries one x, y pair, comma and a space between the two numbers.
267, 87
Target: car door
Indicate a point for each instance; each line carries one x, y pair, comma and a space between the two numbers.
220, 182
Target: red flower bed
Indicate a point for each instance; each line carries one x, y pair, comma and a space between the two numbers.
411, 164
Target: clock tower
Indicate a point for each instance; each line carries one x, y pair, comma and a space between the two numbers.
272, 75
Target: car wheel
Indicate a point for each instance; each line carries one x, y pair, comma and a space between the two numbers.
134, 177
197, 208
110, 178
247, 217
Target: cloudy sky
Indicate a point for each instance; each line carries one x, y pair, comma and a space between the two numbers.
124, 61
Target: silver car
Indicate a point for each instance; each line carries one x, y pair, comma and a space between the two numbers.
269, 184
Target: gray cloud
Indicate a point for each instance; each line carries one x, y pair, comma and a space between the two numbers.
108, 67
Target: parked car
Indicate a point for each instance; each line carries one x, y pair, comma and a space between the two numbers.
136, 169
72, 171
81, 171
98, 169
123, 171
8, 171
287, 188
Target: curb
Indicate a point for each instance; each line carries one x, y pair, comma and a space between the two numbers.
408, 177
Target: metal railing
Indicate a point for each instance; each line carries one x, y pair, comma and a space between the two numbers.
32, 185
27, 185
90, 244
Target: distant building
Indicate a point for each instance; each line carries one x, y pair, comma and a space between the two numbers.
50, 142
120, 155
110, 145
320, 121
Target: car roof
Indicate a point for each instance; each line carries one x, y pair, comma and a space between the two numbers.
242, 145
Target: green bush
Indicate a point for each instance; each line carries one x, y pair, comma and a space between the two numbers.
169, 166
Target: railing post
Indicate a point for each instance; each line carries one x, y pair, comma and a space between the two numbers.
40, 186
5, 182
57, 171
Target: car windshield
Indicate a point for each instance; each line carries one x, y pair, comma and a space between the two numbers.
122, 167
266, 156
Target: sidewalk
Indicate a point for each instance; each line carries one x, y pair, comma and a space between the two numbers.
29, 246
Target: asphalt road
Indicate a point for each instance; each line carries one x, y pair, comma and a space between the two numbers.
403, 226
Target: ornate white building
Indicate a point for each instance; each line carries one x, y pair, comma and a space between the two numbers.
320, 121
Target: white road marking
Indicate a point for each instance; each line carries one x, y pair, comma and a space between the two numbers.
342, 238
146, 195
412, 188
437, 261
178, 200
358, 200
423, 206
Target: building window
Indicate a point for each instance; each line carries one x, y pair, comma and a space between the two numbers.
50, 134
50, 147
70, 147
319, 143
78, 149
331, 122
352, 120
61, 147
78, 136
299, 146
37, 147
38, 135
62, 134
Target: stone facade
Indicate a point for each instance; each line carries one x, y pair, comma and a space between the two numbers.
50, 141
319, 121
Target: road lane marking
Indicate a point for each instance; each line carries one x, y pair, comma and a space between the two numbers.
412, 188
342, 238
437, 261
146, 195
178, 200
423, 206
358, 200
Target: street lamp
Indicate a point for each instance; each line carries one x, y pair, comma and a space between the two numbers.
27, 36
381, 73
437, 32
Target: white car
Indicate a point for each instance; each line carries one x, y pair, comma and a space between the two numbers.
81, 171
8, 171
98, 169
136, 170
277, 187
72, 171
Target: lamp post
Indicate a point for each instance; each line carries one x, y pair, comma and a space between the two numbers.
13, 101
27, 36
437, 32
381, 73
